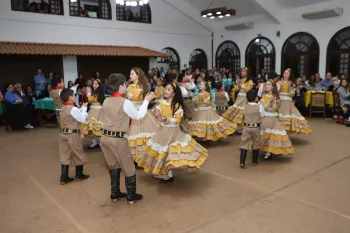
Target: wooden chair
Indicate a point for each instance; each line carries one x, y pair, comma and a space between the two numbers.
336, 104
318, 103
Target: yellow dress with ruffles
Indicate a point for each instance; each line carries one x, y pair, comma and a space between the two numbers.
93, 124
235, 113
274, 138
159, 93
169, 147
289, 116
206, 123
140, 130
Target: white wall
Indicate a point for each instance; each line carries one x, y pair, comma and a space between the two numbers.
169, 28
292, 22
70, 69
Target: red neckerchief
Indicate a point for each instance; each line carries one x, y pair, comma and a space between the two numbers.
117, 94
57, 88
220, 91
68, 104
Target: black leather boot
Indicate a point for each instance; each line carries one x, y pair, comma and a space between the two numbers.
243, 157
130, 183
64, 175
115, 185
255, 157
79, 175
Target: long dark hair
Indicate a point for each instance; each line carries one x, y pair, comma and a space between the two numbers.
177, 101
274, 90
143, 81
99, 92
291, 76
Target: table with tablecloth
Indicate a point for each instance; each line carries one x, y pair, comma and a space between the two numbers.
46, 103
329, 98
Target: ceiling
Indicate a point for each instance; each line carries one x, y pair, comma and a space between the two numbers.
298, 3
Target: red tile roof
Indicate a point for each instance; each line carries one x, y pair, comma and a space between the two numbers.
24, 48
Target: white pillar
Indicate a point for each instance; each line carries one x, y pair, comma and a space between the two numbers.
152, 63
70, 69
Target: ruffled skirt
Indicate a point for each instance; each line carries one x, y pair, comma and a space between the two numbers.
93, 124
170, 148
208, 125
291, 119
141, 131
274, 138
235, 113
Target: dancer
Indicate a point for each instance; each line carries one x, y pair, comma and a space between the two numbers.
114, 145
92, 126
169, 147
70, 147
253, 113
288, 114
221, 99
206, 123
140, 130
235, 112
159, 91
274, 138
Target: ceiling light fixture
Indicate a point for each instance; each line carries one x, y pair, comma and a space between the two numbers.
217, 12
131, 3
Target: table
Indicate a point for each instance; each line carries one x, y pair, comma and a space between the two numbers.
46, 103
329, 98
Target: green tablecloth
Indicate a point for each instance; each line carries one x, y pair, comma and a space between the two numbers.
0, 108
45, 103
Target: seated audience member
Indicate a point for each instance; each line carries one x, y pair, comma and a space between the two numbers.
344, 93
31, 95
299, 97
305, 81
325, 83
46, 92
80, 80
344, 118
19, 91
70, 84
335, 84
19, 115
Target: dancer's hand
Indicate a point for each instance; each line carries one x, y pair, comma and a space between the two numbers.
272, 99
163, 119
149, 96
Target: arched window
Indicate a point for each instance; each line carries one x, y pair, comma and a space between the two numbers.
54, 7
301, 53
100, 9
172, 61
260, 54
338, 52
137, 14
228, 56
198, 60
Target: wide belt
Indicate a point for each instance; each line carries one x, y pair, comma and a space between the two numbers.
221, 108
256, 125
58, 112
113, 134
69, 131
186, 98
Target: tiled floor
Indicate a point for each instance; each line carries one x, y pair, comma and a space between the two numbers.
308, 192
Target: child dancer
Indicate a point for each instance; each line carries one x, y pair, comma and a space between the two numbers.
253, 113
114, 145
289, 116
235, 112
206, 123
221, 99
70, 147
159, 91
169, 147
140, 130
93, 121
274, 138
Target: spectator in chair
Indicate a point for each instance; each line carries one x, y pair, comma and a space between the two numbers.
327, 82
19, 115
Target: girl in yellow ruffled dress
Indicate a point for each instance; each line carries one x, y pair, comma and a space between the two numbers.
159, 91
206, 123
236, 111
289, 116
169, 147
140, 130
92, 126
274, 139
